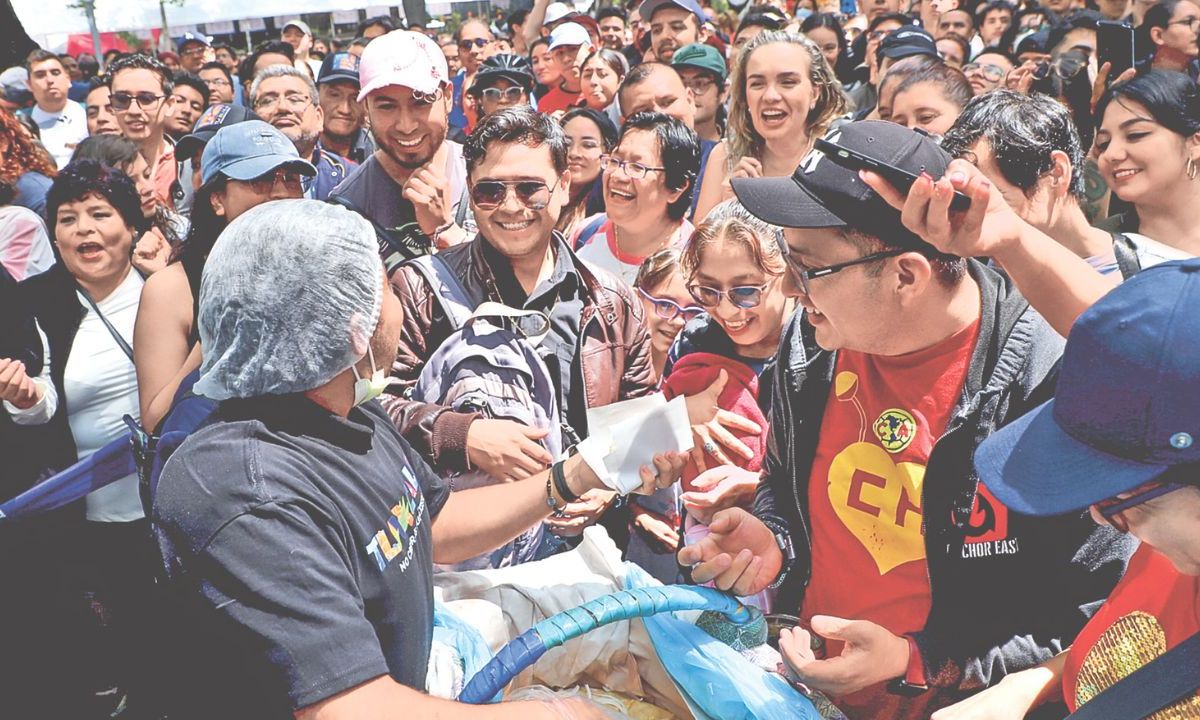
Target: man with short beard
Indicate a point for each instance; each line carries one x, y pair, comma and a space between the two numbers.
287, 98
673, 24
612, 28
415, 182
141, 96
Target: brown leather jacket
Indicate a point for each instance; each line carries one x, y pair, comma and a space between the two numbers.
614, 349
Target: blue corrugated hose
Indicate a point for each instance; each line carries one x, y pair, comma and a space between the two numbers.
525, 649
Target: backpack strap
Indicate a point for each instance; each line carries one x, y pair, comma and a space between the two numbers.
1152, 687
531, 325
590, 230
456, 302
1126, 253
393, 249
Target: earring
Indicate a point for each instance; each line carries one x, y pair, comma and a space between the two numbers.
1190, 168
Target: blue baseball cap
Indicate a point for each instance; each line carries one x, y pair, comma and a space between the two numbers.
339, 66
248, 150
1127, 406
649, 7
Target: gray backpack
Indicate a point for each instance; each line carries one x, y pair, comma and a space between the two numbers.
489, 365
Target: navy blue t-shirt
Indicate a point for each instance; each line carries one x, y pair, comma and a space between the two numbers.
298, 549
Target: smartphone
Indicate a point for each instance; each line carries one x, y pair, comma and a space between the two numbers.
902, 180
1114, 44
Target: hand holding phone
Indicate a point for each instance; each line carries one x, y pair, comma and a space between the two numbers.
901, 179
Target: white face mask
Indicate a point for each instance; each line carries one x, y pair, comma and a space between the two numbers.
368, 388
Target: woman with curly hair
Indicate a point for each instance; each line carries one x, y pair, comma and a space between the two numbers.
23, 165
783, 95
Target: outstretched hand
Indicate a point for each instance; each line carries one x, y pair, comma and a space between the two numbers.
739, 554
871, 654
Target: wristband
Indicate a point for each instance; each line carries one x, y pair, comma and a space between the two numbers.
913, 682
560, 483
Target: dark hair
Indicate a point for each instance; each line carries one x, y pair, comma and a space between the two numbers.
277, 47
982, 11
762, 20
948, 269
359, 42
39, 56
543, 40
516, 17
383, 21
964, 11
468, 21
615, 61
226, 47
522, 125
844, 65
897, 17
612, 11
142, 62
641, 73
1158, 16
608, 131
115, 151
206, 225
187, 79
79, 179
88, 65
679, 149
960, 41
8, 193
954, 85
1022, 131
1172, 99
994, 50
217, 66
100, 81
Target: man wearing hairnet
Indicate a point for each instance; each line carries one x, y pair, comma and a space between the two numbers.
297, 528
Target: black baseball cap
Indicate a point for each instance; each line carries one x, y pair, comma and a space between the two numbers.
339, 66
210, 121
907, 41
820, 194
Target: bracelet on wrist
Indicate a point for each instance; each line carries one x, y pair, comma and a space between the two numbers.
560, 482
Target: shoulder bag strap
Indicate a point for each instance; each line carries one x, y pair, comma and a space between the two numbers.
1126, 253
446, 287
1152, 687
589, 231
111, 330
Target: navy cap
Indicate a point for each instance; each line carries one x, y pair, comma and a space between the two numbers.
339, 66
907, 41
649, 7
210, 121
1127, 404
820, 194
248, 150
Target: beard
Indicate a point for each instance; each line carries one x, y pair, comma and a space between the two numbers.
409, 161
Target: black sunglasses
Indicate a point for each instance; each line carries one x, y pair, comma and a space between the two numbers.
477, 42
490, 194
122, 100
805, 276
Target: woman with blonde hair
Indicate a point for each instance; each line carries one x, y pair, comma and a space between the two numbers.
783, 94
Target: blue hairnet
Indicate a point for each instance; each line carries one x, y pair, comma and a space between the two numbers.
290, 297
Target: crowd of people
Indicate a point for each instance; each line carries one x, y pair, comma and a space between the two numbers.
924, 275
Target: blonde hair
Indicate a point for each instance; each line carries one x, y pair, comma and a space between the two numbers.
741, 139
730, 222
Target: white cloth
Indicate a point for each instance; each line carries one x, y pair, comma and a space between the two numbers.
24, 245
40, 412
601, 248
1151, 252
61, 131
101, 387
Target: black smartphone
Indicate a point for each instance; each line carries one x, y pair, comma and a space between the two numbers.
1114, 44
902, 180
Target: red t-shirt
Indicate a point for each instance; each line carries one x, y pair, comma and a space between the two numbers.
557, 99
882, 418
1150, 611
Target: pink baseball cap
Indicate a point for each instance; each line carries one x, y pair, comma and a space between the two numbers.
405, 58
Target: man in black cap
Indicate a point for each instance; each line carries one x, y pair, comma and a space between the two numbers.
869, 518
903, 42
342, 132
503, 81
190, 147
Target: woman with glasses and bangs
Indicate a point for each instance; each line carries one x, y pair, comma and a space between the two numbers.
647, 184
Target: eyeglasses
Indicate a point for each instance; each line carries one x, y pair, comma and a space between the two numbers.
742, 296
1065, 67
264, 184
993, 73
1112, 508
699, 85
669, 309
632, 170
476, 42
217, 82
123, 100
294, 102
512, 94
806, 276
193, 52
491, 194
1191, 22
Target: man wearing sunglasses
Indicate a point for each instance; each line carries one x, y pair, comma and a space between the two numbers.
287, 98
869, 518
141, 91
503, 81
416, 176
475, 43
597, 351
1118, 442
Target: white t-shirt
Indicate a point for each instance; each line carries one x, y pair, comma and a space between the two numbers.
62, 131
1151, 252
101, 386
24, 245
601, 248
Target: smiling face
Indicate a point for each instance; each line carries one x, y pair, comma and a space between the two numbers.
671, 28
287, 104
142, 123
1140, 159
545, 68
95, 243
779, 92
612, 33
661, 91
406, 129
516, 230
599, 83
139, 172
663, 331
987, 72
755, 331
924, 106
586, 145
637, 200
